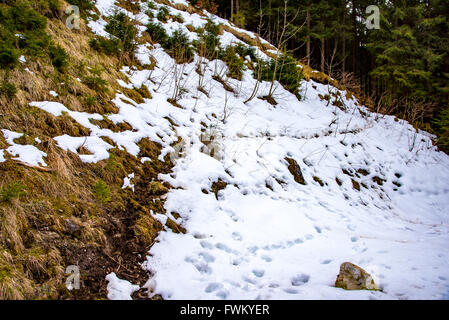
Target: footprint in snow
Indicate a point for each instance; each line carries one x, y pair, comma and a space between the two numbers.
207, 257
213, 286
291, 291
326, 261
300, 280
206, 245
350, 227
259, 273
266, 258
223, 247
222, 294
202, 267
237, 236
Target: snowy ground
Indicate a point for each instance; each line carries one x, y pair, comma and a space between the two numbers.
266, 236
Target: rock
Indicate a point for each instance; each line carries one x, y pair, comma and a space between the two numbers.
352, 277
295, 170
72, 228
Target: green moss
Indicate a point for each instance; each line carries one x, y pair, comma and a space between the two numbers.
101, 191
14, 190
157, 188
8, 89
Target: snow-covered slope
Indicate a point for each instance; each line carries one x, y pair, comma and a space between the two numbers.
376, 192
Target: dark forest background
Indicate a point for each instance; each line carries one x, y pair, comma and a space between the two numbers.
402, 68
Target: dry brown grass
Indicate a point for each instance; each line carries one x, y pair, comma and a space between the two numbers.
58, 218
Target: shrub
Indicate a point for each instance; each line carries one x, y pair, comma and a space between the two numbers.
212, 27
83, 5
122, 27
8, 89
59, 57
13, 190
8, 57
22, 30
149, 13
179, 46
49, 8
151, 4
244, 51
157, 32
209, 5
233, 61
442, 125
178, 18
209, 42
95, 81
101, 191
91, 100
25, 18
104, 45
163, 14
288, 73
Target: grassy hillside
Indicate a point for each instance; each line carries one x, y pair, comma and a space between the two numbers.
69, 212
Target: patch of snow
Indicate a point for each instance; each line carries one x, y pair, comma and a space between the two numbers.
119, 289
127, 182
97, 146
53, 93
55, 108
24, 153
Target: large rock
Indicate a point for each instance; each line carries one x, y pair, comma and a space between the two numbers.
352, 277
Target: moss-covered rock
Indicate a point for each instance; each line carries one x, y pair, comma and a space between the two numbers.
352, 277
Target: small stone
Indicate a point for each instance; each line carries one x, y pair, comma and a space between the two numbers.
295, 170
352, 277
71, 227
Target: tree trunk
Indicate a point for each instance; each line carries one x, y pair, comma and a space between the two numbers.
322, 54
237, 8
343, 40
308, 37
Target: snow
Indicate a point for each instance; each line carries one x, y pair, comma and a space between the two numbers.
265, 236
22, 59
119, 289
97, 146
127, 182
2, 157
24, 153
55, 108
53, 93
